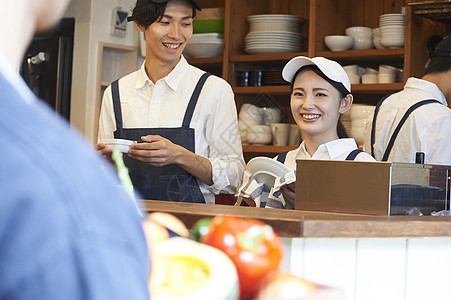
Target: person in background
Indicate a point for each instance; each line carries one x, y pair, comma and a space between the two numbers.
320, 94
67, 229
416, 119
185, 119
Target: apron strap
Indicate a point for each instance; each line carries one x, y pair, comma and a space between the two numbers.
193, 101
403, 120
353, 154
117, 104
373, 126
282, 157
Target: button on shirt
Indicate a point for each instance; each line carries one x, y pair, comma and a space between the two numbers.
428, 128
163, 104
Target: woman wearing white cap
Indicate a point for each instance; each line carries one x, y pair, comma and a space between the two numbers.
320, 94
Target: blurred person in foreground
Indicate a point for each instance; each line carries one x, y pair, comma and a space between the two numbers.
185, 120
67, 229
416, 119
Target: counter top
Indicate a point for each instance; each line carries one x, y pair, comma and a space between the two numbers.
296, 223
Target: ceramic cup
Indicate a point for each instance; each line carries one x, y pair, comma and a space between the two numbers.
271, 115
295, 135
280, 133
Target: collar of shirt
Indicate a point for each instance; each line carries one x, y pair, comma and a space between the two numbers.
424, 85
173, 79
330, 150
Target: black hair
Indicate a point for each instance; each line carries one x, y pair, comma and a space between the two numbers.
439, 64
147, 12
342, 92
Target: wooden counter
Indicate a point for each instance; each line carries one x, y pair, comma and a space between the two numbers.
294, 223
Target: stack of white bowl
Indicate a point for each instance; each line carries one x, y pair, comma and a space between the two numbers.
377, 37
358, 114
254, 123
387, 74
363, 37
354, 72
274, 34
370, 76
205, 45
392, 30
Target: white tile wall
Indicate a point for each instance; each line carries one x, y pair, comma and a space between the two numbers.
381, 265
428, 269
375, 268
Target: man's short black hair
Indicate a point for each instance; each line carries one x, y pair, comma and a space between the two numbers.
147, 12
441, 57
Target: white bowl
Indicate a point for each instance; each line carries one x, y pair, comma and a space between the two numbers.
338, 42
377, 32
250, 115
386, 78
360, 111
351, 69
369, 78
359, 32
363, 43
369, 70
377, 43
121, 144
271, 115
386, 69
196, 49
354, 79
259, 138
260, 129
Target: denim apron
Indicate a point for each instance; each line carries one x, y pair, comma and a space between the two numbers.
170, 182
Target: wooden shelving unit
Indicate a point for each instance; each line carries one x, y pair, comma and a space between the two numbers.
322, 18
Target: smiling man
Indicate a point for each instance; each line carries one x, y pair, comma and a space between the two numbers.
186, 118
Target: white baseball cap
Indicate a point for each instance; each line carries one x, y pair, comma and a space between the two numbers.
333, 70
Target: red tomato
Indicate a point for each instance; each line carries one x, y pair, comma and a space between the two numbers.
252, 245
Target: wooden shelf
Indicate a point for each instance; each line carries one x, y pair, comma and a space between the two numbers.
370, 55
269, 89
267, 148
285, 89
215, 60
265, 57
377, 88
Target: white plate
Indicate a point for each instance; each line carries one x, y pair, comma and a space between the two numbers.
122, 145
266, 170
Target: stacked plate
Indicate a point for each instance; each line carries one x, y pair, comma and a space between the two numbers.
274, 34
205, 45
392, 30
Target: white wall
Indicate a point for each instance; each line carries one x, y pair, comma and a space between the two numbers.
92, 25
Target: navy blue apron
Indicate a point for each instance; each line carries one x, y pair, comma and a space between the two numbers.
167, 183
397, 129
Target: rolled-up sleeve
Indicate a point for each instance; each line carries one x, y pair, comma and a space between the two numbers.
224, 143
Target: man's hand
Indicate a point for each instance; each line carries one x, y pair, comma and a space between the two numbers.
156, 151
105, 151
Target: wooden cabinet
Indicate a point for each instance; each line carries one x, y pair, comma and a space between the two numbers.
321, 18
